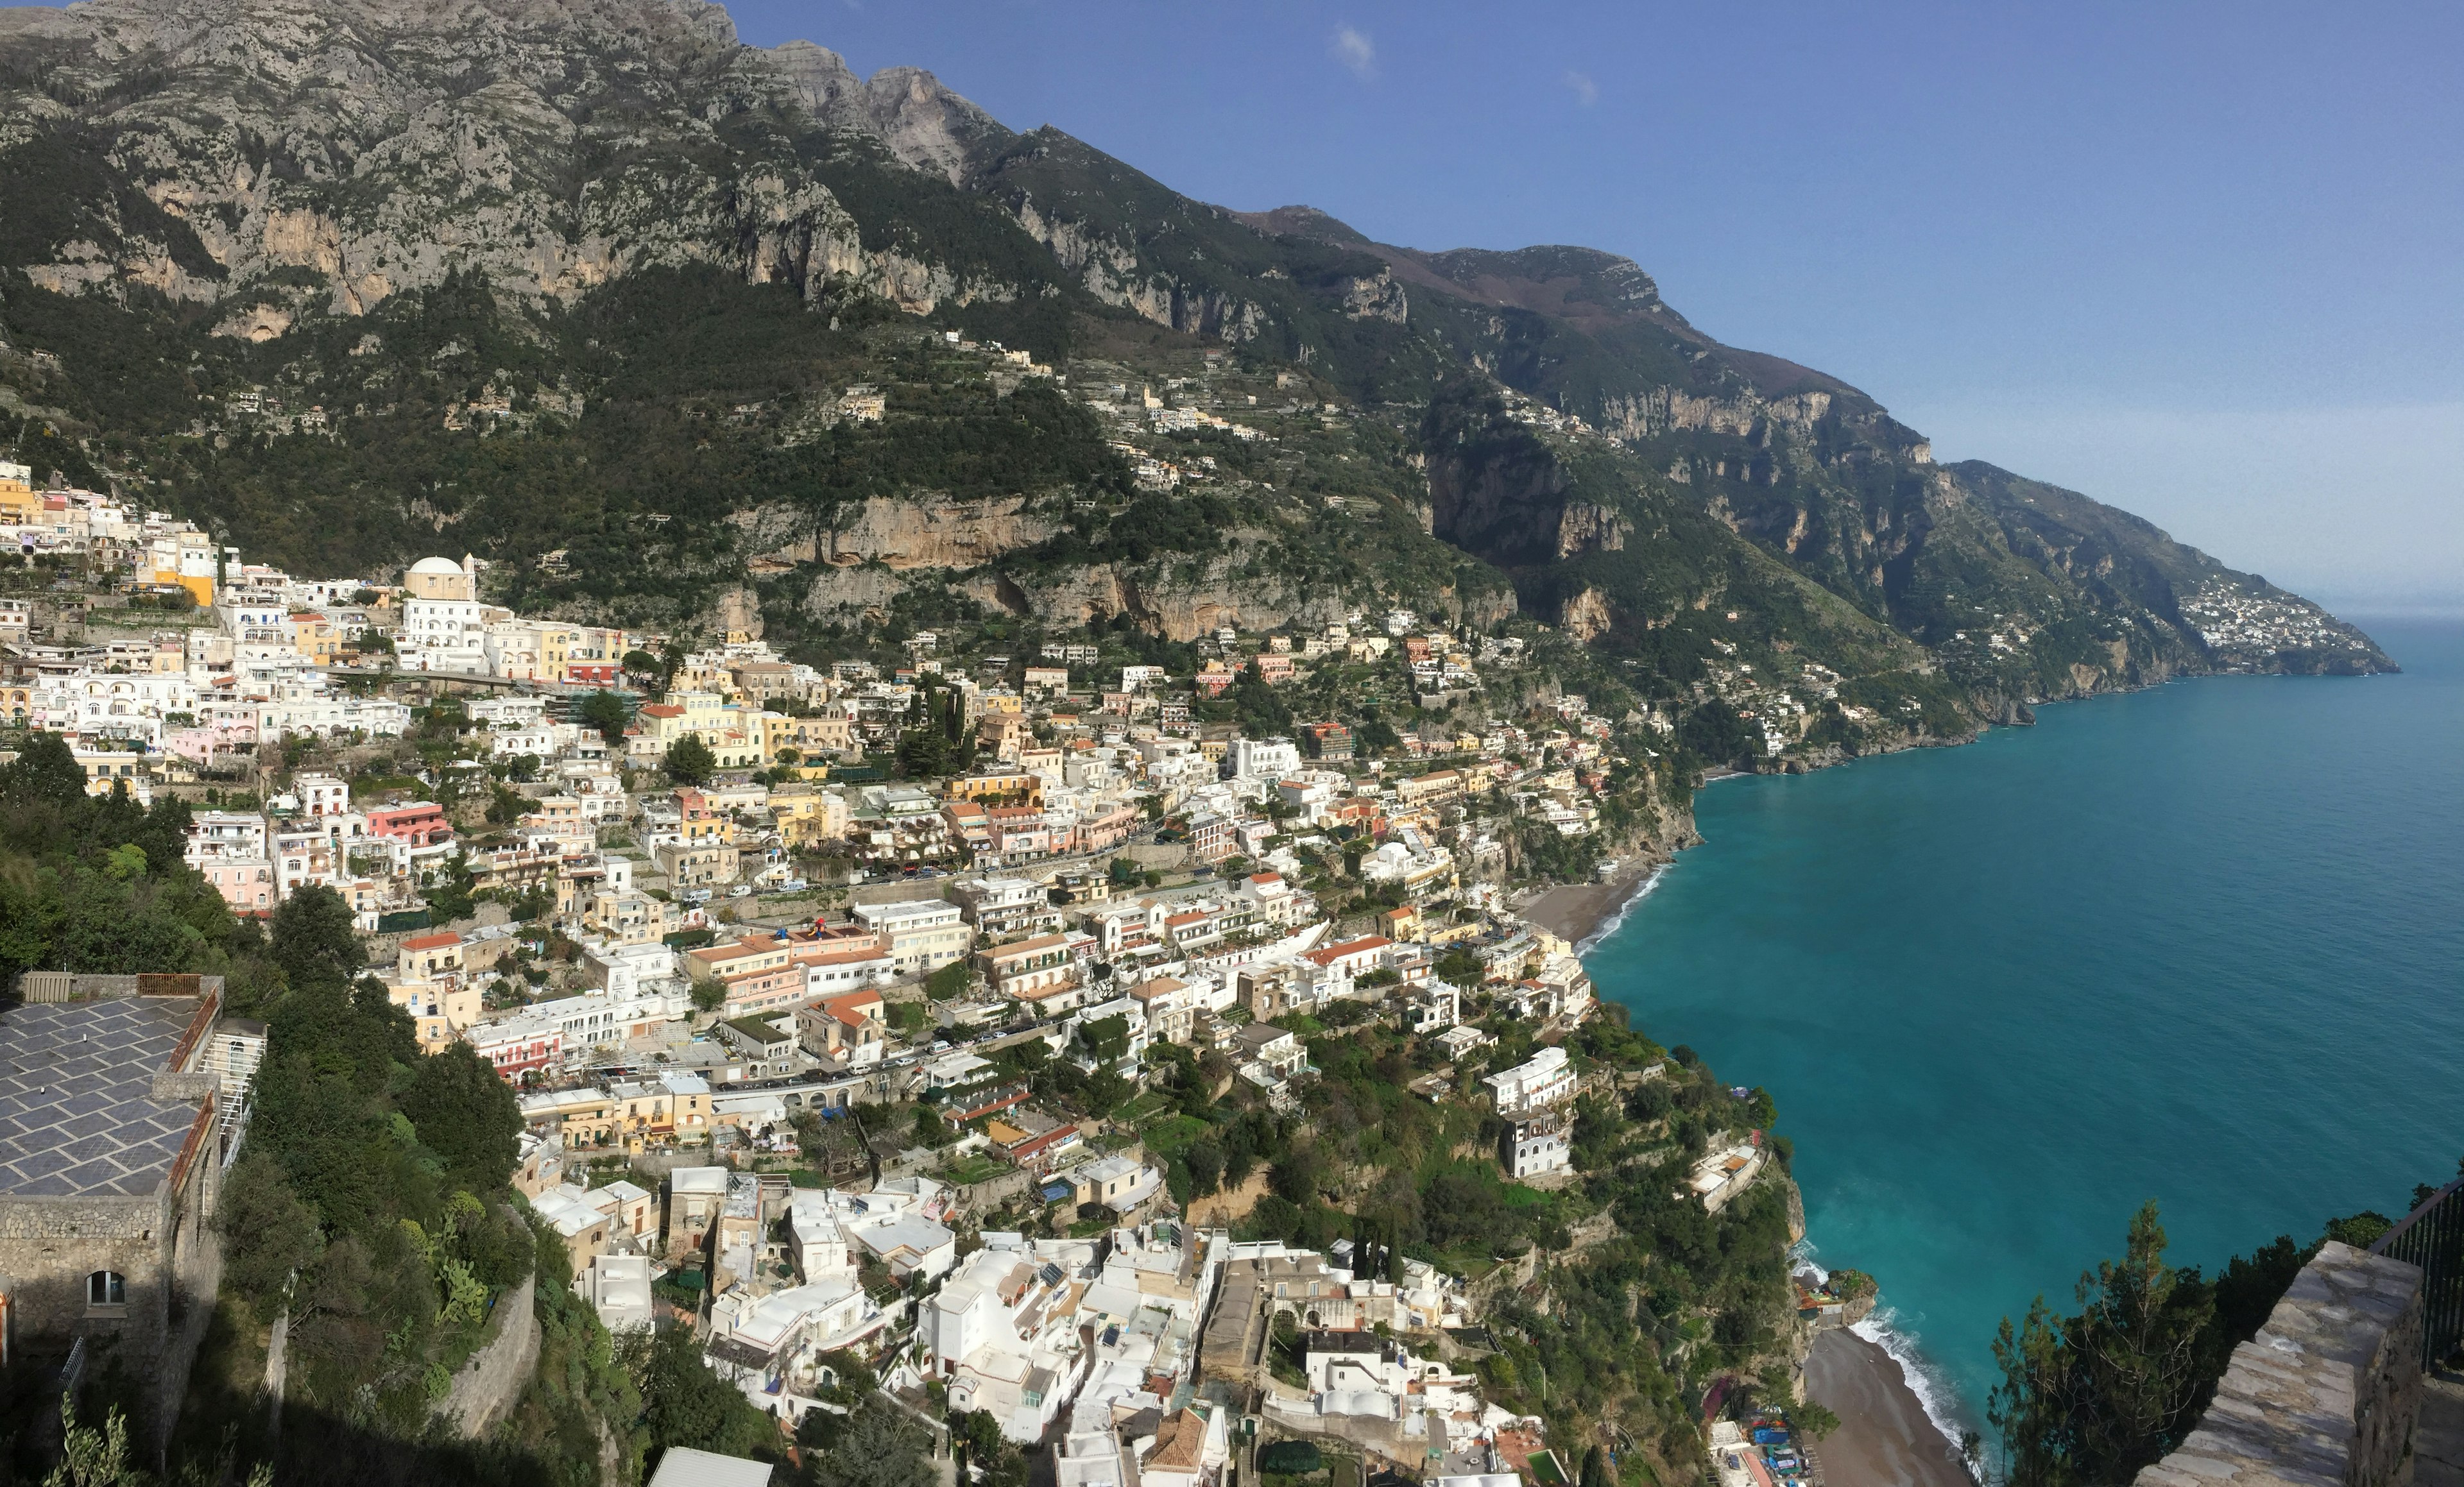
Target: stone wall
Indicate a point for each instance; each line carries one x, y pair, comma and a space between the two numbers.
2326, 1395
496, 1375
983, 1197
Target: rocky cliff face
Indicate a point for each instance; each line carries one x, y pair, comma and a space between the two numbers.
276, 157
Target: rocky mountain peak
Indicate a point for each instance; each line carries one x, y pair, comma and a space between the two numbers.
923, 123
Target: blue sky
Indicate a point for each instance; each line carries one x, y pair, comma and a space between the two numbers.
2198, 259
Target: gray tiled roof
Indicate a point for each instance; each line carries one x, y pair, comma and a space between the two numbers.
77, 1116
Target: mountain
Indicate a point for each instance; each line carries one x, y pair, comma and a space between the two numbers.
582, 286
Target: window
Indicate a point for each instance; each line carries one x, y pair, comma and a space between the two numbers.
106, 1288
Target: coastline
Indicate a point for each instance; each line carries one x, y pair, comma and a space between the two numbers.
1583, 913
1886, 1437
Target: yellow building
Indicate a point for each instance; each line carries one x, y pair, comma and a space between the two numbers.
19, 500
184, 557
312, 635
807, 735
580, 653
1002, 787
806, 816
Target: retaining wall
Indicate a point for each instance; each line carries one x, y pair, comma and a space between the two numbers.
2326, 1395
496, 1375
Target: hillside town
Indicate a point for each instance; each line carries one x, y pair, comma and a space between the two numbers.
854, 1014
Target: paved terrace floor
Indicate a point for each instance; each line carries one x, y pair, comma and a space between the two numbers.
2438, 1438
77, 1116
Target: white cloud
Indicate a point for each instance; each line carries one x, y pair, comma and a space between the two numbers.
1586, 92
1352, 47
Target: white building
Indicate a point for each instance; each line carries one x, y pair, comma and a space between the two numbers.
1537, 1145
922, 935
618, 1289
1534, 1086
1270, 759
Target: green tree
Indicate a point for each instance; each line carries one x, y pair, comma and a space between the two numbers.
90, 1458
1461, 968
45, 770
506, 806
2093, 1398
465, 1113
936, 741
1298, 1175
1105, 1092
604, 710
709, 994
879, 1446
315, 941
689, 761
1204, 1159
683, 1404
451, 897
268, 1233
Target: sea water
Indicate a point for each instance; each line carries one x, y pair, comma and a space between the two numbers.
2202, 944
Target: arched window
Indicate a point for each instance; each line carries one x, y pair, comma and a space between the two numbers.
106, 1288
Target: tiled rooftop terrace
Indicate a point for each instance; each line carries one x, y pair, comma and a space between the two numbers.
76, 1114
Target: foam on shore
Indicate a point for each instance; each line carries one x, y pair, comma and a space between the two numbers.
1935, 1392
1617, 918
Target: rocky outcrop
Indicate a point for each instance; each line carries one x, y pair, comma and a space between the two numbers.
923, 123
932, 532
1183, 609
1585, 614
1112, 271
1585, 528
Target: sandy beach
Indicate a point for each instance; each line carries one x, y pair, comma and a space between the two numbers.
1571, 911
1883, 1439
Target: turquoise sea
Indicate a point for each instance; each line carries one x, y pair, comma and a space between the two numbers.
2202, 944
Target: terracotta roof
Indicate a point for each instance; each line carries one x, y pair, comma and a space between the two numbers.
431, 942
1180, 1443
1334, 952
1041, 943
854, 1008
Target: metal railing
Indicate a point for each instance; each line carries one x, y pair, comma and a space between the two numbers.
2431, 1236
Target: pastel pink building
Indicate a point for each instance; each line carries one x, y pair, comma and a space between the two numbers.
419, 822
246, 886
